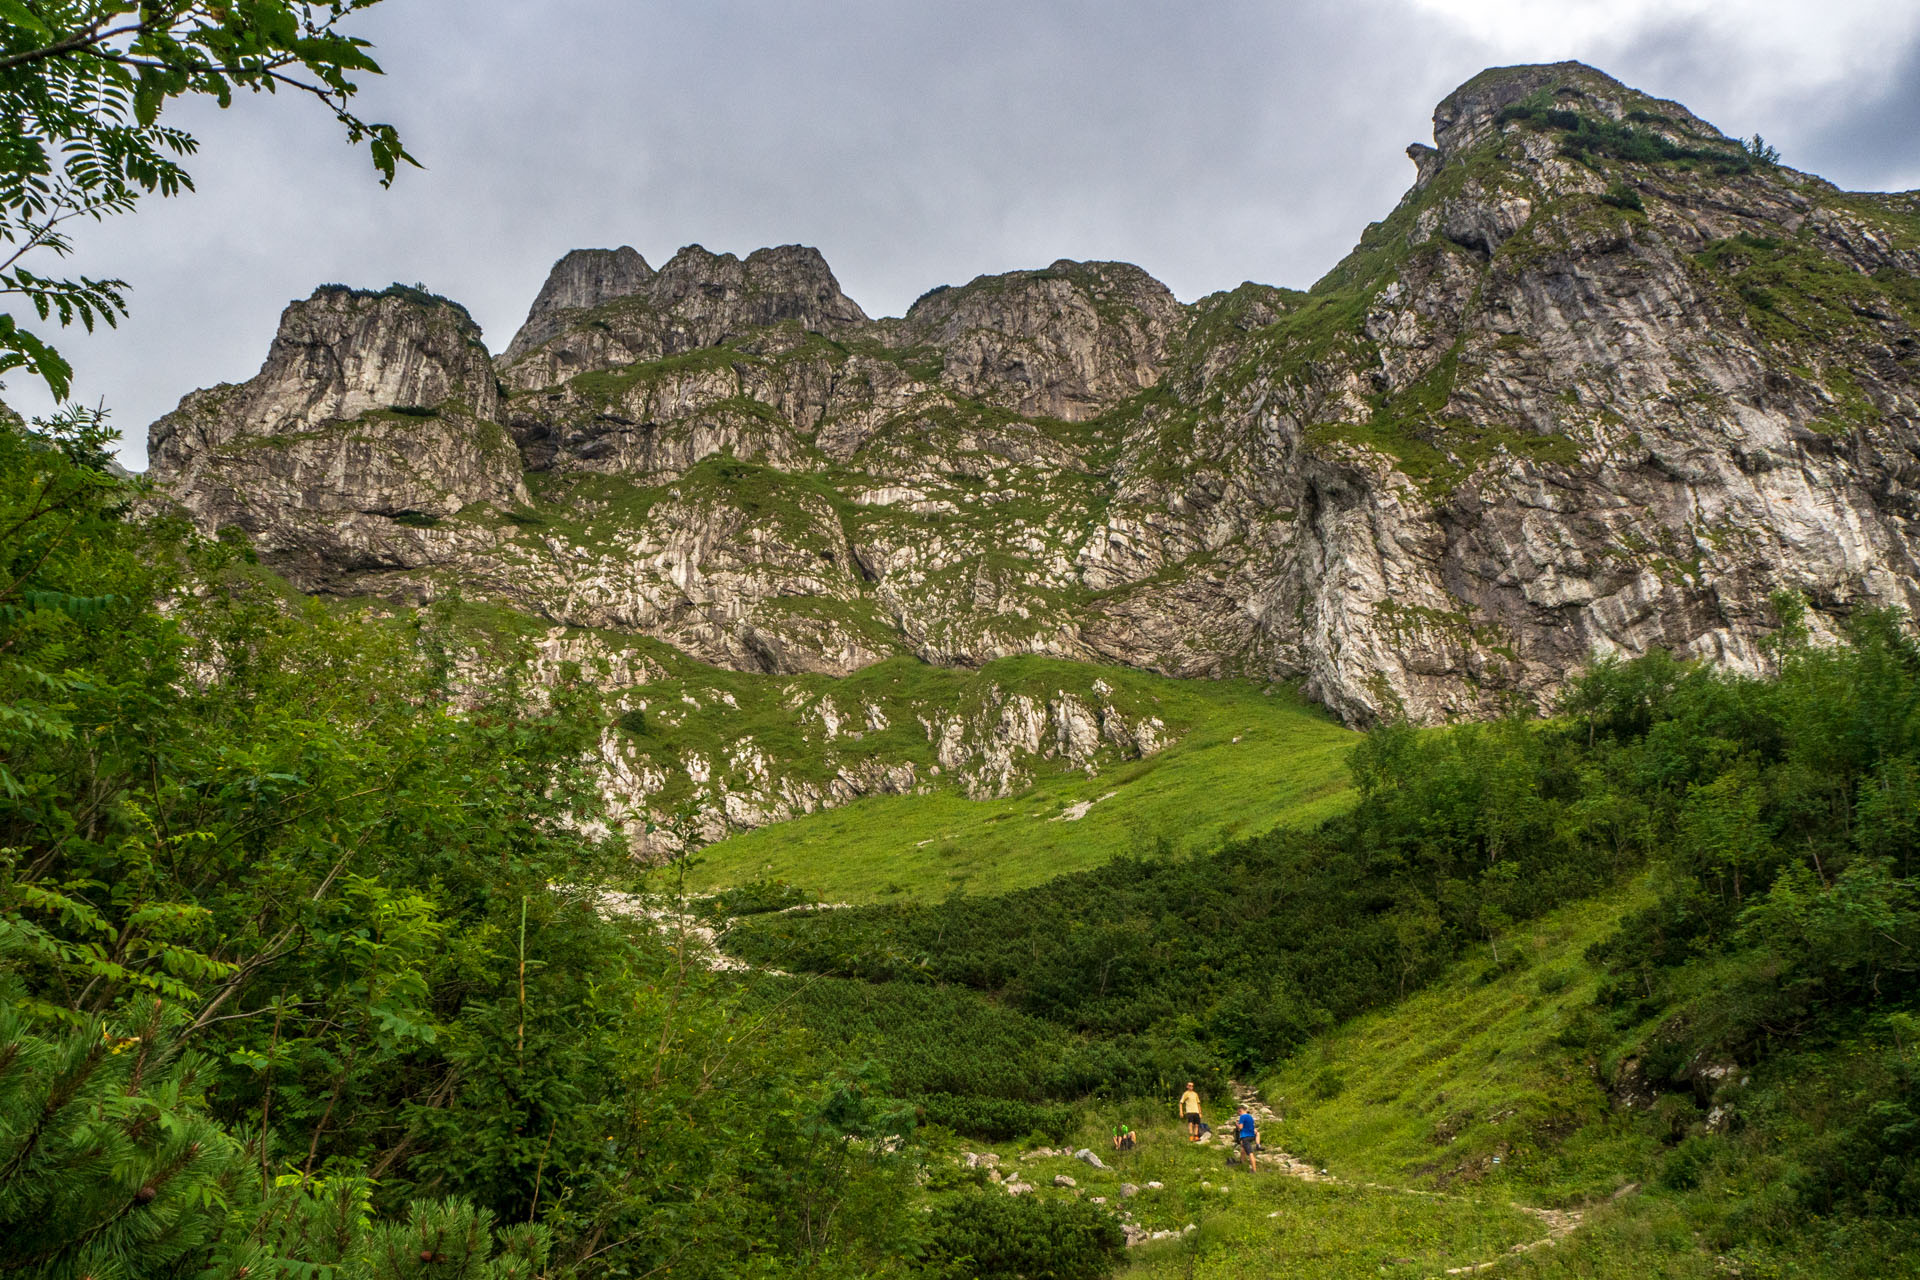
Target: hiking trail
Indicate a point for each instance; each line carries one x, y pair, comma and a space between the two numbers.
1559, 1223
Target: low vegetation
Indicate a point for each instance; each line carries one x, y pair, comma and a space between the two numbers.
1642, 138
287, 942
1245, 758
1716, 1007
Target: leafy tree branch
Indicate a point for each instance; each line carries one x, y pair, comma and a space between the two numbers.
82, 87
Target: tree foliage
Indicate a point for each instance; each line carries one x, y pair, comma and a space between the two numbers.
992, 1236
352, 905
83, 84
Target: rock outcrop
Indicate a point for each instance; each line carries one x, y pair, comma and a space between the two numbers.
603, 311
374, 418
582, 280
1069, 342
689, 760
1602, 382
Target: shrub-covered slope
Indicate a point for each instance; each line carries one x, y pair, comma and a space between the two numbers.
1674, 932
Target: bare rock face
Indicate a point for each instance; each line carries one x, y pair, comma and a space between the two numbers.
698, 299
344, 352
1598, 405
1602, 382
373, 419
582, 280
1472, 114
1068, 342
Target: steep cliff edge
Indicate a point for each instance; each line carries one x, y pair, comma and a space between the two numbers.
1602, 381
374, 417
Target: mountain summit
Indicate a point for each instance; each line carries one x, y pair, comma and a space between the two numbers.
1601, 382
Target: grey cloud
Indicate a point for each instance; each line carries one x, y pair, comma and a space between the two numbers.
1860, 136
1871, 140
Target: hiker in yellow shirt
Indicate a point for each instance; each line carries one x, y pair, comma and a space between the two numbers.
1190, 1111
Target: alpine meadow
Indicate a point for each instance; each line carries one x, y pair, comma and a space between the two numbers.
731, 786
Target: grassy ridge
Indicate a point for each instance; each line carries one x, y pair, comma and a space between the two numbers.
1471, 1068
1406, 1107
1252, 758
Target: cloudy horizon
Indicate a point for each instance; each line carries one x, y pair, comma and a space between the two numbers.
914, 145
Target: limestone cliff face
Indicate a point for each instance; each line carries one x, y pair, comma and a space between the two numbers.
1616, 382
1601, 382
1070, 342
690, 759
603, 315
583, 279
374, 417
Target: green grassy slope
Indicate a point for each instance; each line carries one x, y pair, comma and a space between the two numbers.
1405, 1109
1440, 1114
1243, 757
1252, 757
1473, 1069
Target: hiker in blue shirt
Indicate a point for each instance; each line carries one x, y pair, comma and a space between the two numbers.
1247, 1134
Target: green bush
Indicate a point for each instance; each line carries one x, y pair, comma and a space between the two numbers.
993, 1236
947, 1039
1687, 1164
758, 898
996, 1119
1585, 137
1622, 196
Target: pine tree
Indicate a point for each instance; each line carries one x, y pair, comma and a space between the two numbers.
107, 1165
110, 1168
451, 1240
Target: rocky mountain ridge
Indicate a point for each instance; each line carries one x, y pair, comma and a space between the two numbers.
1601, 382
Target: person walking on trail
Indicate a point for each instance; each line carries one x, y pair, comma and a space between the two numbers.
1190, 1111
1247, 1135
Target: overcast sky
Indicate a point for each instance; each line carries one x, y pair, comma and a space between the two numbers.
915, 142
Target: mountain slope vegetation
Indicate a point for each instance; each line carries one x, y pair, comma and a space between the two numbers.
1718, 1005
267, 841
348, 769
1246, 759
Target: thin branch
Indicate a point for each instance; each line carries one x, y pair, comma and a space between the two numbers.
82, 39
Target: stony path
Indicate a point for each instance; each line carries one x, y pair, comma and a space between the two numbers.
703, 938
1559, 1223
